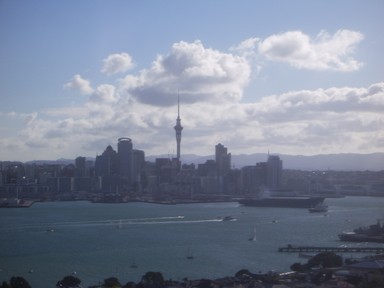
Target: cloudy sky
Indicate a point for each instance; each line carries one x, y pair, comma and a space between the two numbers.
289, 77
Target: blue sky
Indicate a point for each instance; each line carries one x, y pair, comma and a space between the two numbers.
289, 77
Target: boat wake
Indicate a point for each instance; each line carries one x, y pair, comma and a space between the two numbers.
120, 223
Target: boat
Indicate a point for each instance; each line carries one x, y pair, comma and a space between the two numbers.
15, 203
283, 202
190, 255
372, 233
253, 238
133, 265
321, 207
228, 218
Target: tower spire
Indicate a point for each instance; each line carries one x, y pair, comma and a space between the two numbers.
178, 128
178, 105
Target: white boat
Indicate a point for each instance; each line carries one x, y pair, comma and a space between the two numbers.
228, 218
253, 238
319, 208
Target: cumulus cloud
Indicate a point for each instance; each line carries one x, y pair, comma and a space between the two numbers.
117, 63
80, 84
105, 93
337, 119
324, 52
210, 83
194, 72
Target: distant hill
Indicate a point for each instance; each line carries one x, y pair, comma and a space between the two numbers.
345, 162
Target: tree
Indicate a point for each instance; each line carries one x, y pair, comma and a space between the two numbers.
19, 282
69, 282
243, 274
5, 285
326, 260
153, 280
111, 282
297, 267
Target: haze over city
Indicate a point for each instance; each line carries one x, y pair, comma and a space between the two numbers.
291, 77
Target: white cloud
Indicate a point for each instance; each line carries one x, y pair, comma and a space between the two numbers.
195, 72
105, 93
142, 106
80, 84
117, 63
324, 52
345, 119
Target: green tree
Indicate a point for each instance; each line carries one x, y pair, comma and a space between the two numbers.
111, 282
326, 260
19, 282
69, 282
152, 280
297, 267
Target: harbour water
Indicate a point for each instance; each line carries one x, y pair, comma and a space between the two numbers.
48, 241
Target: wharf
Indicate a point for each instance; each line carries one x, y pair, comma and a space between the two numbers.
298, 249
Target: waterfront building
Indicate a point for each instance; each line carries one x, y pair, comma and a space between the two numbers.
166, 169
223, 164
274, 172
124, 156
80, 164
106, 167
223, 159
249, 183
138, 166
261, 174
208, 168
106, 163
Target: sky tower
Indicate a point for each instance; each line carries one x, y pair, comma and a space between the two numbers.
178, 128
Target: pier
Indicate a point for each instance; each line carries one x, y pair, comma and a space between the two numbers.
298, 249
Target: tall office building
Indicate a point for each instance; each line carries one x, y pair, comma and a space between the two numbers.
274, 172
223, 159
124, 155
138, 163
178, 129
80, 167
106, 163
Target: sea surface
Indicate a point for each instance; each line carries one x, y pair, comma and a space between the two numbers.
48, 241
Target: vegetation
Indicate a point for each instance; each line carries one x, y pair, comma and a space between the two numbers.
69, 282
323, 260
316, 270
16, 282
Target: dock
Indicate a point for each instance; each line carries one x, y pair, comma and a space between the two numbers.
299, 249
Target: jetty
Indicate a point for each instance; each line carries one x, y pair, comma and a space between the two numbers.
342, 249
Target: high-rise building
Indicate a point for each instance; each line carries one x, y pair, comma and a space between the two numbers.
106, 163
178, 129
124, 155
223, 159
274, 172
80, 167
138, 163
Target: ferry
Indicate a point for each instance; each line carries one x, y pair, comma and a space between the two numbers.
283, 202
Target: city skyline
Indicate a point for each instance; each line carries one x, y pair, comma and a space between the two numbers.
292, 78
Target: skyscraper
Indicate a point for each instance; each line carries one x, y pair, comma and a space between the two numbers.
223, 159
178, 129
274, 172
124, 155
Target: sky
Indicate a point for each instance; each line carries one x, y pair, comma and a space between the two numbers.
287, 77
